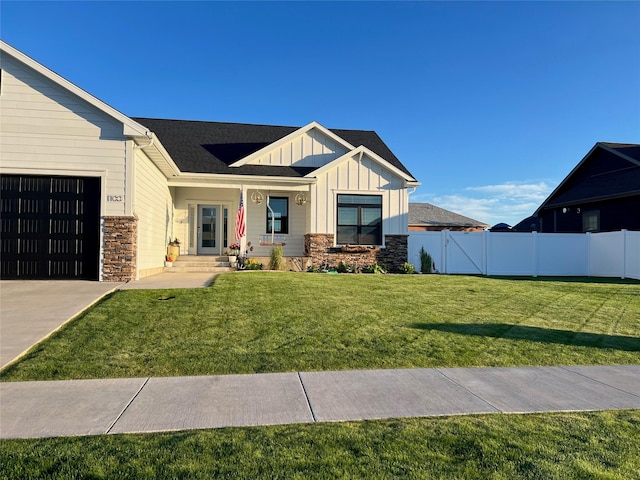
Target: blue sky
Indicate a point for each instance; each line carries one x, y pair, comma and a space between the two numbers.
489, 104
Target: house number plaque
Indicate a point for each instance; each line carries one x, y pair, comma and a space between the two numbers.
114, 198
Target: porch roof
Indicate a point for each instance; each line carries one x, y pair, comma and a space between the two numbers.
211, 147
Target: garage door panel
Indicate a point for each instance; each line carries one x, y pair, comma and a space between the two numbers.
50, 227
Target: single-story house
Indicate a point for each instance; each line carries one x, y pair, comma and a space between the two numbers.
425, 217
602, 193
88, 192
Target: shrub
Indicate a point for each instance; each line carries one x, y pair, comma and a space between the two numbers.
345, 268
407, 268
375, 268
426, 262
275, 261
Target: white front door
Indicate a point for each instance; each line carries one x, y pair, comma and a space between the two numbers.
208, 230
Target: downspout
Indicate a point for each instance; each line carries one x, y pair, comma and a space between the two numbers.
133, 193
273, 220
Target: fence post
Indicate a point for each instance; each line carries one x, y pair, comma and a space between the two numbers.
624, 253
534, 253
588, 234
484, 249
444, 250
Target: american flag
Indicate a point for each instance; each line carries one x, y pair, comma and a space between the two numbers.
240, 219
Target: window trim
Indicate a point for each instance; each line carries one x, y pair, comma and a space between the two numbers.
283, 219
380, 233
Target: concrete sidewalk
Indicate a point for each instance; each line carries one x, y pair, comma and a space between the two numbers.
91, 407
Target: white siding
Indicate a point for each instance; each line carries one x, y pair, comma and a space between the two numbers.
365, 176
154, 208
45, 128
311, 149
184, 197
257, 226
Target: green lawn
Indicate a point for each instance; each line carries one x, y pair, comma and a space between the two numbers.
559, 446
280, 321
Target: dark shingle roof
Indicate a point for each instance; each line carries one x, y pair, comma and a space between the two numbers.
428, 214
210, 147
601, 175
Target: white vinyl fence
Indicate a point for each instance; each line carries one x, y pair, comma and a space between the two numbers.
609, 254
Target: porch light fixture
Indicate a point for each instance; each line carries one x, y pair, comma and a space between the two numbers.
257, 198
300, 198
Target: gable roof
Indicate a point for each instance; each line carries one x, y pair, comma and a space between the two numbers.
131, 128
213, 147
426, 214
360, 151
609, 170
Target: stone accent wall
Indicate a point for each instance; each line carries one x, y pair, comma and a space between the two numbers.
395, 253
320, 250
120, 240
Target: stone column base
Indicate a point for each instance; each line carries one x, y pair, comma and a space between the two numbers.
120, 248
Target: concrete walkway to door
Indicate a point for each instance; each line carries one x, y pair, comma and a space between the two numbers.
30, 310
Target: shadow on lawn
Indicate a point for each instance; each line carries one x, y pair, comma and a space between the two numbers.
536, 334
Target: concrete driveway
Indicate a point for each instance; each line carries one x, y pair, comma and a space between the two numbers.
30, 310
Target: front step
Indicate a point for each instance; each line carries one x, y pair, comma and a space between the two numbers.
199, 264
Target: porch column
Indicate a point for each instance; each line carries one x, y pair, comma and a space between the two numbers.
243, 240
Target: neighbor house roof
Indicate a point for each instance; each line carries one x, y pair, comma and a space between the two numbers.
609, 170
426, 214
212, 147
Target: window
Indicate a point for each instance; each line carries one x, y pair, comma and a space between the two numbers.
591, 221
280, 207
359, 220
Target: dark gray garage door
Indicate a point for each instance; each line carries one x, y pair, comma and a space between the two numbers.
50, 227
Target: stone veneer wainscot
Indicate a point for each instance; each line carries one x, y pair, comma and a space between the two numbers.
120, 240
319, 247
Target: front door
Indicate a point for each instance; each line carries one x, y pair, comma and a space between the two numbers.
212, 229
208, 230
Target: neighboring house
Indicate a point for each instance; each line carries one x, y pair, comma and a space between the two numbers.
602, 193
425, 217
88, 192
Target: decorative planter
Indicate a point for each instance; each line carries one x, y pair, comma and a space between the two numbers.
168, 264
173, 251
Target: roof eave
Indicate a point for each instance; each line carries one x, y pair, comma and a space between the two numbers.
131, 128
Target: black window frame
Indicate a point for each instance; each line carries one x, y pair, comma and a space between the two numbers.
360, 226
284, 219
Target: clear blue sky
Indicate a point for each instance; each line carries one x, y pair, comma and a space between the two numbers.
489, 105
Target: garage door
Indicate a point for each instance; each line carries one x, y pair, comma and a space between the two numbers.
50, 227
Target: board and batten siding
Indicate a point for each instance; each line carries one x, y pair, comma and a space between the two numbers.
359, 176
45, 129
153, 206
311, 149
256, 226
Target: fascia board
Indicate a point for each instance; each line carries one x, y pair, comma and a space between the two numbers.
153, 142
287, 138
247, 180
130, 127
365, 151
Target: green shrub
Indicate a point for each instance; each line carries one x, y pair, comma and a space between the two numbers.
426, 262
345, 268
375, 268
407, 268
275, 261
